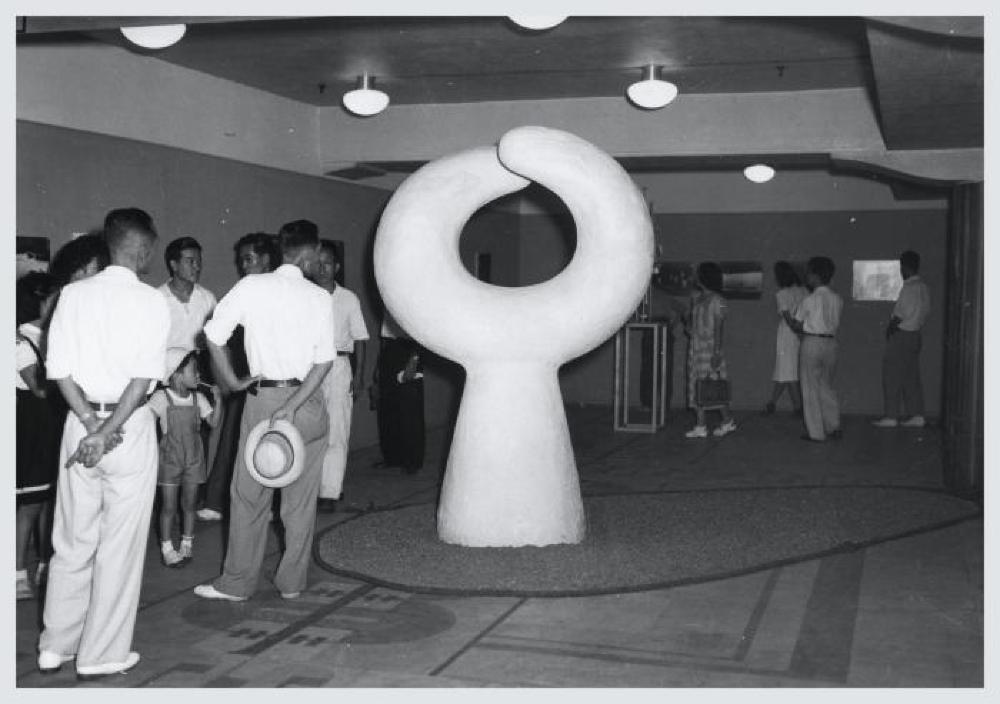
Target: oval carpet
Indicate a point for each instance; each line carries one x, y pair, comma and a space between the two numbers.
638, 541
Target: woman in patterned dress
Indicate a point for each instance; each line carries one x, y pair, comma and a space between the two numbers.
705, 358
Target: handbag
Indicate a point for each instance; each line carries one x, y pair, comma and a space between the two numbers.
711, 391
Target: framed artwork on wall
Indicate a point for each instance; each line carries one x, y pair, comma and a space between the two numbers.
33, 254
876, 280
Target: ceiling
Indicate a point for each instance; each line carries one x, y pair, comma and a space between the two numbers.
924, 74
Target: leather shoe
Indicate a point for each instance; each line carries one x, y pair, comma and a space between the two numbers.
49, 662
86, 673
208, 591
811, 439
837, 434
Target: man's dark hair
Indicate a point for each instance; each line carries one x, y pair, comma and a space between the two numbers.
710, 275
30, 290
262, 243
298, 234
784, 274
911, 260
118, 223
823, 268
330, 246
173, 251
77, 254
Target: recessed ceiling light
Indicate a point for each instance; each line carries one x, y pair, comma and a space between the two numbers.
158, 36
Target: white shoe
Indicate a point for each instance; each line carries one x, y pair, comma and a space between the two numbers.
885, 423
49, 662
698, 431
290, 595
208, 514
92, 672
208, 591
914, 422
724, 429
186, 550
171, 558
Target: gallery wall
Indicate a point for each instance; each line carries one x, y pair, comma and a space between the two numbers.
547, 243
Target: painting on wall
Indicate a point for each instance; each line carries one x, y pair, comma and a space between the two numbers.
876, 280
674, 278
742, 280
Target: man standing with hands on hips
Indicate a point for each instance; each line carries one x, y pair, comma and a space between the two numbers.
107, 348
289, 336
901, 363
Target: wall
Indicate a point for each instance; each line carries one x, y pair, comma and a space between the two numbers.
547, 244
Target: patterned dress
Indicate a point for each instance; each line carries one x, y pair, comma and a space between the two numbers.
706, 308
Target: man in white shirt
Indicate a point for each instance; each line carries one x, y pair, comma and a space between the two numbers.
817, 320
190, 303
107, 347
289, 337
342, 386
901, 362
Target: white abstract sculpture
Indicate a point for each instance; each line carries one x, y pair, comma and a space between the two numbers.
511, 479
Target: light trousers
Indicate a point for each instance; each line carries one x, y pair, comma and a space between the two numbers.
99, 535
817, 366
250, 501
339, 405
901, 374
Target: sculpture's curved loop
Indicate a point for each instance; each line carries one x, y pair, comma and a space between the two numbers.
511, 479
423, 282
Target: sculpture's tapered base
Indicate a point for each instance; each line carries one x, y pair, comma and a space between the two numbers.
511, 478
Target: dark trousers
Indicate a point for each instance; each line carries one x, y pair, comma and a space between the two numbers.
901, 374
400, 407
221, 474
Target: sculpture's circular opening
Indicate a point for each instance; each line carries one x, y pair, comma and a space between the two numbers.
522, 239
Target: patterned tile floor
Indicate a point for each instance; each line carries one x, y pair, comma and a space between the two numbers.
906, 613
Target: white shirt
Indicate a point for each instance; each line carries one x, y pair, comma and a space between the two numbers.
288, 323
107, 330
159, 403
820, 311
349, 323
24, 355
913, 305
188, 319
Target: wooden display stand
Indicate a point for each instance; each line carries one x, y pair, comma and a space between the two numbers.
642, 376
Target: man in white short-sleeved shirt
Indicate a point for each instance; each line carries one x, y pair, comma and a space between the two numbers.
342, 386
107, 347
817, 320
190, 303
289, 336
903, 340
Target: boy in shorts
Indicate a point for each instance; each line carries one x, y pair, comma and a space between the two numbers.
181, 408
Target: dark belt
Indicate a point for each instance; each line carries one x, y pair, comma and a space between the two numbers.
272, 383
108, 407
816, 334
343, 354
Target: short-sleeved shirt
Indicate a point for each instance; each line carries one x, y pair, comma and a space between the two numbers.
187, 320
24, 354
106, 330
820, 311
287, 320
159, 403
349, 323
913, 305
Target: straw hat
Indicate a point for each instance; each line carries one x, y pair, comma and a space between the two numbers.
274, 456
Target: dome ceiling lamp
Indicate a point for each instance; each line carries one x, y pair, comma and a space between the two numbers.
536, 23
759, 173
651, 92
365, 100
158, 36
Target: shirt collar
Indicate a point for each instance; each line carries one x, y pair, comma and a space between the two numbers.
119, 272
290, 270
